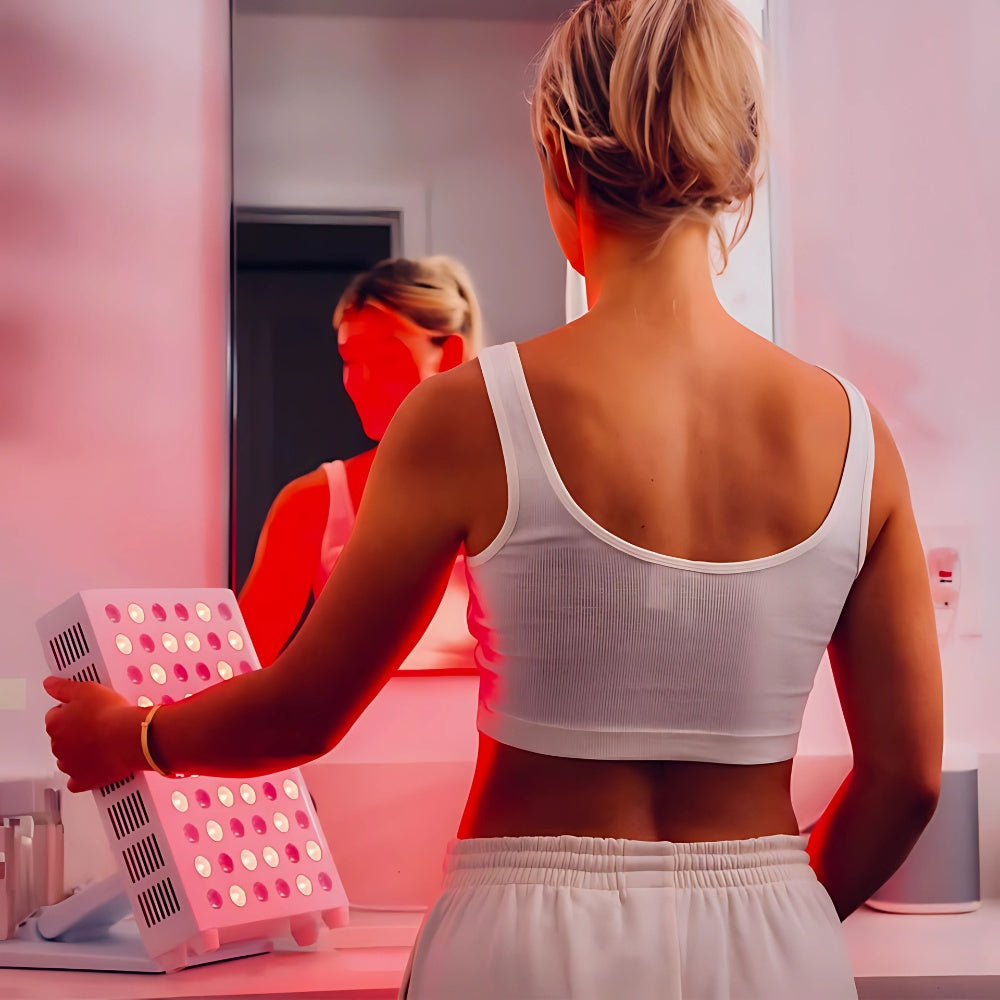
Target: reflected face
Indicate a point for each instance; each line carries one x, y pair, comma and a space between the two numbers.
385, 357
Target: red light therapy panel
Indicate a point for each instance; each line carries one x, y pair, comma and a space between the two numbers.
205, 860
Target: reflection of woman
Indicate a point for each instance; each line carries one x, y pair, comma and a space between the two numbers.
397, 324
667, 520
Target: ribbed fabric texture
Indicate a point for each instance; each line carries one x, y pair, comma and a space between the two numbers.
589, 646
607, 863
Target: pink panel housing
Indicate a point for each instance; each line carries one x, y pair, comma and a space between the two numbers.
205, 860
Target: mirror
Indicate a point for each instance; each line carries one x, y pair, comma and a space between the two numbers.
367, 129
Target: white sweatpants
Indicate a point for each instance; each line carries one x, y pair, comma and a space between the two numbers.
587, 918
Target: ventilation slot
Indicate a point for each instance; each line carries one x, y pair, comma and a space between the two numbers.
143, 858
128, 815
69, 646
108, 789
89, 673
158, 902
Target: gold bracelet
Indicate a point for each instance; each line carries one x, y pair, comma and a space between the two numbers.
144, 739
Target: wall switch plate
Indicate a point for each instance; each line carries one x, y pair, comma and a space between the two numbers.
961, 538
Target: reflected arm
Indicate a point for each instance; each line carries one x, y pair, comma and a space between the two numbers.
277, 588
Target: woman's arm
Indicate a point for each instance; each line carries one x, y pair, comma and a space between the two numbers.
383, 591
284, 566
887, 668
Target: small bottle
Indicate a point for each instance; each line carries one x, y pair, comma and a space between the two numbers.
5, 929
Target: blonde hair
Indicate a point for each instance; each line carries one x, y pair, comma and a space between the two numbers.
433, 292
657, 105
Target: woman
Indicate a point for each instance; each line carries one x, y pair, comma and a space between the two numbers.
397, 324
667, 520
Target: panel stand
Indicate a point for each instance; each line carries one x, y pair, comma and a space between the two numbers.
94, 931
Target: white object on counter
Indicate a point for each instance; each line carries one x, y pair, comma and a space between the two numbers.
941, 873
31, 845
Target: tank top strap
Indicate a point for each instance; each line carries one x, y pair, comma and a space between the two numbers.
530, 500
507, 390
339, 522
855, 493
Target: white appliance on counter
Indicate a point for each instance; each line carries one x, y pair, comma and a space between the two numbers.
941, 874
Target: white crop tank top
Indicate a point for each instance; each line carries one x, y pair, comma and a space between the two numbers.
589, 646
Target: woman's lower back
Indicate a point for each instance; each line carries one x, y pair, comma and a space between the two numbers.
516, 793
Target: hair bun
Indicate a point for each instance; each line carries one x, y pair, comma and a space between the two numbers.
658, 104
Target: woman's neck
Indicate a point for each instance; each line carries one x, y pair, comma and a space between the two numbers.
670, 288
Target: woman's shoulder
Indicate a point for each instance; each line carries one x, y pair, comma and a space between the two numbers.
306, 495
298, 516
445, 427
447, 405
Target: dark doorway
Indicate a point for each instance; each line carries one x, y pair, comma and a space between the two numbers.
290, 410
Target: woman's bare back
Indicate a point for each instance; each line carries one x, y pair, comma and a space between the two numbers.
720, 448
720, 453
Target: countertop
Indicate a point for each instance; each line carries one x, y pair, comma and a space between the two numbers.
895, 957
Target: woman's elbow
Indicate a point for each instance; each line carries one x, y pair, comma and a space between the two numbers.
914, 789
917, 793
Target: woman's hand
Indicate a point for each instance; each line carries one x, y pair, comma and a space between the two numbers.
94, 733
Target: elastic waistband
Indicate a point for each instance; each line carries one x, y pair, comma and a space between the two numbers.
604, 863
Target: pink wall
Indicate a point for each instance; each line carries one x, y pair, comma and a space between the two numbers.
114, 196
887, 161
